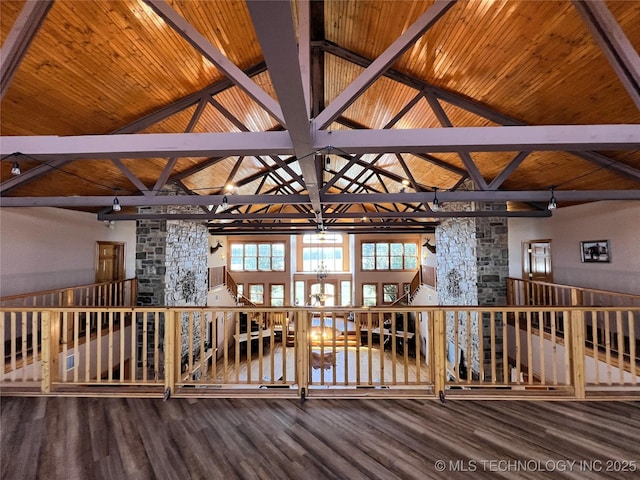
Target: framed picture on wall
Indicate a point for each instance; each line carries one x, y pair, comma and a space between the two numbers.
595, 251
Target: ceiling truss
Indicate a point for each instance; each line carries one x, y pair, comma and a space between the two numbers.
298, 147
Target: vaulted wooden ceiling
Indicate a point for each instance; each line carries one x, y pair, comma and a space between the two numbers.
319, 113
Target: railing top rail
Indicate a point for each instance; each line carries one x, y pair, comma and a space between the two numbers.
62, 289
573, 287
413, 308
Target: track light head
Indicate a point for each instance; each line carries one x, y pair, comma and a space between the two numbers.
15, 169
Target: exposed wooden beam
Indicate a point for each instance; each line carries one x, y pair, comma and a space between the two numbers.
273, 22
215, 56
383, 62
17, 43
614, 43
508, 170
131, 176
482, 139
443, 118
328, 199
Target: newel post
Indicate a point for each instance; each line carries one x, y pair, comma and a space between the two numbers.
439, 360
169, 354
302, 351
49, 349
578, 346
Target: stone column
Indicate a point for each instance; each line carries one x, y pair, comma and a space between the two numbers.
472, 268
171, 266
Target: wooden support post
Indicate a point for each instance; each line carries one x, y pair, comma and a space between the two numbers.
302, 351
169, 348
439, 360
578, 346
46, 352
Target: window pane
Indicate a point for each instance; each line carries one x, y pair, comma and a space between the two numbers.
236, 250
382, 263
278, 264
256, 293
277, 249
264, 263
396, 249
368, 263
390, 293
250, 263
369, 289
368, 250
236, 263
382, 249
396, 263
264, 250
411, 263
277, 295
251, 250
300, 300
411, 249
345, 292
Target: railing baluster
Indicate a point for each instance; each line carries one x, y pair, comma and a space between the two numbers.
541, 333
607, 345
632, 348
122, 335
620, 348
554, 342
13, 347
23, 328
64, 332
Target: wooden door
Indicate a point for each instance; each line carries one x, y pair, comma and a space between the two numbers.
110, 262
537, 261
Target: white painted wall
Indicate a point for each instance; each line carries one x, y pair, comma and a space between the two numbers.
618, 222
47, 248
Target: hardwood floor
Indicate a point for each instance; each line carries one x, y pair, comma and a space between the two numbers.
89, 438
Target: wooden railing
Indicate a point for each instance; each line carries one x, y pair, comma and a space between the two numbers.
608, 334
479, 352
531, 293
118, 293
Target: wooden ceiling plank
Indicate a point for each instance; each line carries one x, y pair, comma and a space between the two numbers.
508, 170
213, 54
614, 43
382, 63
273, 23
131, 176
17, 42
186, 102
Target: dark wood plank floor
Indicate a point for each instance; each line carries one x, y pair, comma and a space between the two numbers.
76, 438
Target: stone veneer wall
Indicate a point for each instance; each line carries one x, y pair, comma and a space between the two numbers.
472, 267
171, 266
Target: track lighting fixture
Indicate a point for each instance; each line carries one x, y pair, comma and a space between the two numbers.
116, 204
553, 204
225, 203
436, 204
15, 169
